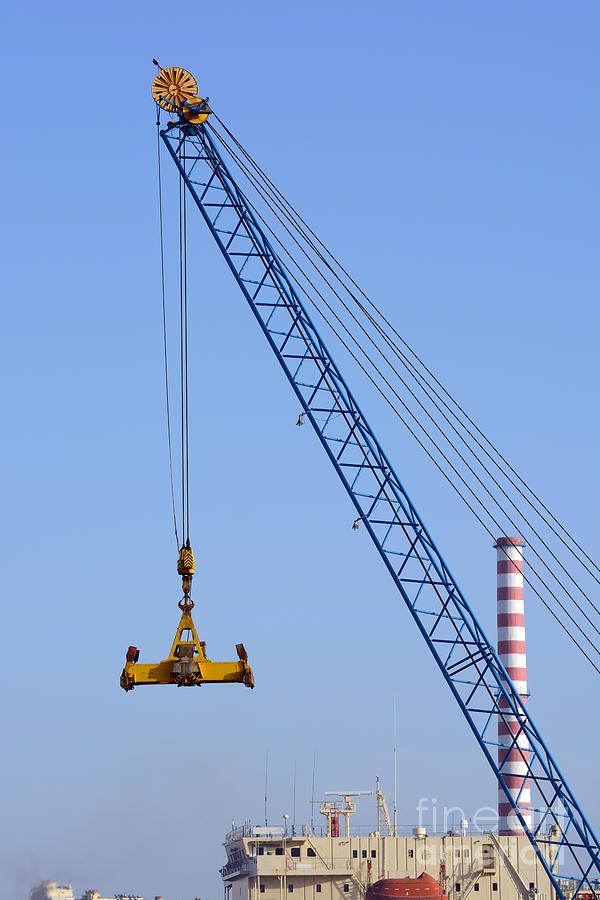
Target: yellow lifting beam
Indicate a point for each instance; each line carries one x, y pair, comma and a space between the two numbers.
187, 664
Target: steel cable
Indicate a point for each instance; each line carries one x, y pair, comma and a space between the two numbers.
428, 414
418, 440
414, 396
187, 389
181, 359
294, 217
164, 322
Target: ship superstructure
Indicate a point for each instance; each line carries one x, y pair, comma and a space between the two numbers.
269, 863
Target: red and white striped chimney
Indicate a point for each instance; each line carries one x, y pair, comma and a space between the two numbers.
511, 650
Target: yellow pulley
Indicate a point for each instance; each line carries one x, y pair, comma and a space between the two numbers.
199, 116
176, 89
172, 86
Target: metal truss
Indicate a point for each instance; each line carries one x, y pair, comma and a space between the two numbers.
465, 656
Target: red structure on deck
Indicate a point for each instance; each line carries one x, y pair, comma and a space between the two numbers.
425, 887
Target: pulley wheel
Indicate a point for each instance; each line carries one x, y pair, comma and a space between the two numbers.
194, 115
173, 85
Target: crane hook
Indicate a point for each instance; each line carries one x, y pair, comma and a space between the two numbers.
186, 566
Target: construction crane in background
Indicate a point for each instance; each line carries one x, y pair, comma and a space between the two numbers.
468, 661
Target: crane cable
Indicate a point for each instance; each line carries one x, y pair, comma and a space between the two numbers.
294, 218
428, 414
425, 390
185, 391
419, 441
183, 345
164, 322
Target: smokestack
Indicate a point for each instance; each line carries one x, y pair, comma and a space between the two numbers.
511, 650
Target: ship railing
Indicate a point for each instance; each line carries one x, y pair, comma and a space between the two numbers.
250, 865
568, 886
247, 830
245, 865
306, 831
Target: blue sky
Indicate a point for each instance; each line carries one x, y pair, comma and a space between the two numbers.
448, 154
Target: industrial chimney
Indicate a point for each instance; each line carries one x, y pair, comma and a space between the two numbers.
511, 650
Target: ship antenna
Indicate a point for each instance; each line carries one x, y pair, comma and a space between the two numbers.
266, 787
294, 803
312, 799
395, 770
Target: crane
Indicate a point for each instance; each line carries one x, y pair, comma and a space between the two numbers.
466, 658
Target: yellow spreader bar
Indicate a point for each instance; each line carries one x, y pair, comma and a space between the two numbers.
187, 664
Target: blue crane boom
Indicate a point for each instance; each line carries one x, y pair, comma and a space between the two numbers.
466, 658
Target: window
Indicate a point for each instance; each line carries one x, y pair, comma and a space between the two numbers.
278, 851
261, 851
457, 853
318, 889
295, 851
373, 854
364, 854
262, 888
346, 888
311, 852
458, 887
465, 852
411, 853
354, 854
476, 886
494, 885
290, 888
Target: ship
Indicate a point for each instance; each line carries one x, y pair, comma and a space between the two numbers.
419, 863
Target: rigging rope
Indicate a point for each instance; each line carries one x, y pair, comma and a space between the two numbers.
427, 413
294, 217
183, 347
187, 389
164, 321
266, 200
